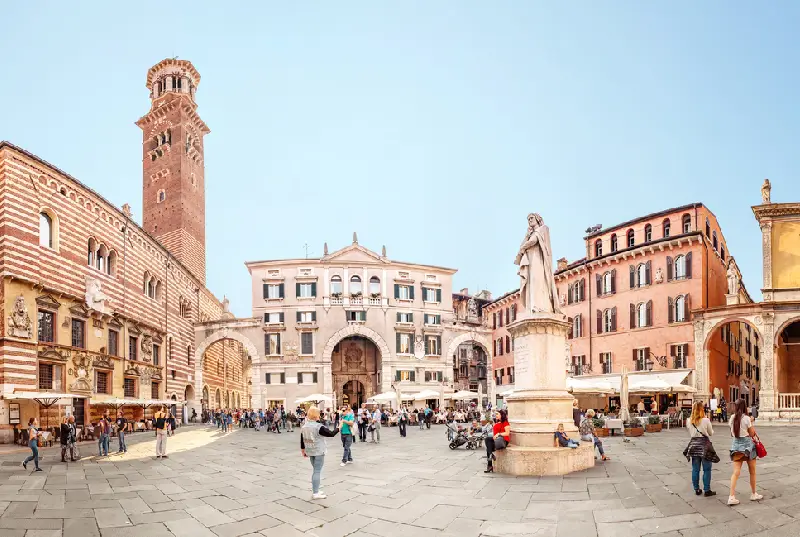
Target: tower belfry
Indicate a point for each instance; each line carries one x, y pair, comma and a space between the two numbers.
173, 208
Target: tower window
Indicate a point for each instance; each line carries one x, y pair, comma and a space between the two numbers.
161, 195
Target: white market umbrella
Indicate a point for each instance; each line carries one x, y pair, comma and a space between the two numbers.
314, 398
425, 394
383, 397
464, 395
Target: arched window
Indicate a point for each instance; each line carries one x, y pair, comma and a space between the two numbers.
714, 239
161, 195
680, 309
219, 400
355, 285
374, 285
665, 228
641, 275
607, 282
146, 281
46, 230
680, 267
102, 257
577, 329
722, 252
631, 240
614, 242
91, 252
608, 320
111, 265
336, 285
686, 223
598, 248
641, 315
648, 233
708, 228
157, 291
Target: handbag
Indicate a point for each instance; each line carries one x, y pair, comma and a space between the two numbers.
761, 451
500, 443
709, 453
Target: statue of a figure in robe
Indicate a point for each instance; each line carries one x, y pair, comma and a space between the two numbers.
537, 286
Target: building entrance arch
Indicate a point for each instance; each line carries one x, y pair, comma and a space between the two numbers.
353, 394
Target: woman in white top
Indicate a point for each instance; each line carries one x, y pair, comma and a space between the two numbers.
700, 426
33, 443
743, 449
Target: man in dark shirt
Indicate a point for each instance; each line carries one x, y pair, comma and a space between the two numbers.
121, 424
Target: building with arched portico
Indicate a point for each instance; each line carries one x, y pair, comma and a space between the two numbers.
354, 323
771, 327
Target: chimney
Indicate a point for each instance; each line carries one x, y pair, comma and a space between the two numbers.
464, 291
562, 263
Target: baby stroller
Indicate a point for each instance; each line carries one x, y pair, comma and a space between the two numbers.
475, 441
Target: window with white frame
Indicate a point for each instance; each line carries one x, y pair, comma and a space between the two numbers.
404, 343
306, 343
680, 267
336, 285
273, 291
605, 361
641, 315
607, 279
433, 345
307, 378
433, 319
687, 227
641, 359
608, 321
374, 286
641, 275
276, 378
273, 317
355, 285
679, 353
680, 309
357, 316
431, 294
404, 292
46, 230
405, 317
306, 290
577, 326
272, 344
306, 316
404, 375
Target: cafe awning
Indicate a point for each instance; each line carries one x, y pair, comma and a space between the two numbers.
46, 399
664, 381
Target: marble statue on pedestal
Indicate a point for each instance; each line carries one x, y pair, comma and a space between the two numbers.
734, 277
766, 189
537, 287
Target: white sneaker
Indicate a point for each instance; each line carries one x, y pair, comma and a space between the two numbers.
754, 497
349, 462
318, 496
342, 464
732, 501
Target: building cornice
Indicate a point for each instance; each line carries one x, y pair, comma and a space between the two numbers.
771, 211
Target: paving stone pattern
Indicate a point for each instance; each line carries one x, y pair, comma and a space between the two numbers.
253, 484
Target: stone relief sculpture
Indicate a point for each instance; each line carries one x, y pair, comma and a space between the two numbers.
83, 373
766, 189
537, 287
659, 277
19, 322
419, 347
354, 357
472, 307
734, 277
95, 297
147, 348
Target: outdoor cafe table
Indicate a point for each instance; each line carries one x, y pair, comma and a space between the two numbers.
614, 424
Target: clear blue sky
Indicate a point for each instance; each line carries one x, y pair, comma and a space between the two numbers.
430, 127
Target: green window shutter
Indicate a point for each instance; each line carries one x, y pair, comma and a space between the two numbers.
413, 376
266, 317
314, 316
314, 289
280, 316
398, 316
411, 292
411, 317
438, 319
265, 288
397, 376
314, 379
280, 291
398, 344
299, 377
266, 343
439, 344
267, 379
283, 378
279, 343
298, 316
297, 290
439, 295
396, 291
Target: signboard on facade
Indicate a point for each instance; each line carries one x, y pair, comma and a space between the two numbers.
13, 416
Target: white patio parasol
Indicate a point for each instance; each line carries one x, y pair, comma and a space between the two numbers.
383, 397
314, 398
464, 395
624, 397
425, 394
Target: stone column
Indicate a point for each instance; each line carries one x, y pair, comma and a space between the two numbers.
701, 368
541, 401
766, 253
768, 393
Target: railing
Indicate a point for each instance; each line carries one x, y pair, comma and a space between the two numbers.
356, 300
789, 401
374, 301
337, 300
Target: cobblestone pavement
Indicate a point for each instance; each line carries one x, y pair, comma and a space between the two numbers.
257, 484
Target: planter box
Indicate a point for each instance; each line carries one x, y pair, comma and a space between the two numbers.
601, 431
634, 431
653, 428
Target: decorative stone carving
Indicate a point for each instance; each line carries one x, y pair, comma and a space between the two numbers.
537, 287
419, 347
562, 299
95, 297
659, 277
472, 307
568, 356
383, 251
766, 189
225, 304
19, 322
147, 348
766, 253
83, 372
354, 357
290, 351
132, 371
103, 362
54, 354
734, 277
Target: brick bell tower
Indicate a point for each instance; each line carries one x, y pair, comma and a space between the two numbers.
174, 204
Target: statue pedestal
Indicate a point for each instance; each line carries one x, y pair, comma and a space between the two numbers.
541, 402
731, 300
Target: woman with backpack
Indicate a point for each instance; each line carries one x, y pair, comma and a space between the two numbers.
700, 432
743, 449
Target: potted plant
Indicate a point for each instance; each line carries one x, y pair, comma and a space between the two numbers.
374, 295
357, 294
633, 428
336, 295
653, 424
600, 428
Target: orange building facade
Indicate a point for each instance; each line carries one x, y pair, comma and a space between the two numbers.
498, 315
630, 299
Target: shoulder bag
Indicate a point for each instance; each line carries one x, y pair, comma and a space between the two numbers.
709, 453
761, 451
